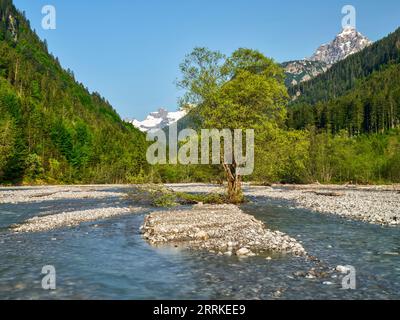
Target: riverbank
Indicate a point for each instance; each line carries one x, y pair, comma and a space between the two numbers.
372, 204
221, 229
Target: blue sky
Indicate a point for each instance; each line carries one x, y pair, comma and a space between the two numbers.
130, 50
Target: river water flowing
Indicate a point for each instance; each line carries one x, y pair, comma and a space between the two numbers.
108, 259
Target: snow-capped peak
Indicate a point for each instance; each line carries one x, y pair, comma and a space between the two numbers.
346, 43
158, 119
347, 30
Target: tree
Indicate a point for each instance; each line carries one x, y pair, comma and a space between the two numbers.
7, 139
244, 91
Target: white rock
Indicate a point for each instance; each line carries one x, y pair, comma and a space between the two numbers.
243, 252
342, 269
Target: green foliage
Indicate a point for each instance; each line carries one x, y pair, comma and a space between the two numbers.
7, 141
212, 198
243, 91
360, 94
51, 128
344, 127
152, 195
160, 196
34, 167
344, 75
372, 106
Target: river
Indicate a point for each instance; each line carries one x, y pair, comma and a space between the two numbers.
109, 260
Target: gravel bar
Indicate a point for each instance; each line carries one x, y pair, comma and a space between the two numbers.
71, 219
373, 204
222, 229
377, 205
51, 193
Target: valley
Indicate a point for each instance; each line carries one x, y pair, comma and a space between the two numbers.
306, 198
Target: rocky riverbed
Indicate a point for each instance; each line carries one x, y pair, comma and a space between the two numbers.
71, 219
17, 195
222, 229
372, 204
110, 258
98, 203
378, 205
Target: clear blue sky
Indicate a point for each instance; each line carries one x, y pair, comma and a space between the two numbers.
130, 50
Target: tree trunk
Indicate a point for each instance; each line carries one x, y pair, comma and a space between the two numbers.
235, 194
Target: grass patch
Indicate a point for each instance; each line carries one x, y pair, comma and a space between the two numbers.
161, 196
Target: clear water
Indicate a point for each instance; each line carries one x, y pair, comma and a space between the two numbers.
109, 259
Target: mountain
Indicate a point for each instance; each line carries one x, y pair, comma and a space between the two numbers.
52, 129
158, 120
346, 43
302, 70
360, 94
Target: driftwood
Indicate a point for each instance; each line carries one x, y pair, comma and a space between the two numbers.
329, 194
42, 195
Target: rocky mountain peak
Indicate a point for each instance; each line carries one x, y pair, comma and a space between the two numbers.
346, 43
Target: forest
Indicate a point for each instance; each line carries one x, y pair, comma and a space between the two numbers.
52, 130
341, 127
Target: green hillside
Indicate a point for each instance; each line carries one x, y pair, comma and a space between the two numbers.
360, 94
52, 129
344, 126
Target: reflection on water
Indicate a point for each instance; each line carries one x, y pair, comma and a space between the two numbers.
109, 260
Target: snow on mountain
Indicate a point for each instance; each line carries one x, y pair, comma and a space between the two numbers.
158, 120
346, 43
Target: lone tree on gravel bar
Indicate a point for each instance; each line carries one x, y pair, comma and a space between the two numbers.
243, 91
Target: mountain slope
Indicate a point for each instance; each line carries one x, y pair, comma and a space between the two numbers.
360, 94
51, 128
302, 70
344, 75
346, 43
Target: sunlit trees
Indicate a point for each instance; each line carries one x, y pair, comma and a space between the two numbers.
243, 91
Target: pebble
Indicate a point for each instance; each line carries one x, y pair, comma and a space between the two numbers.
342, 269
243, 252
